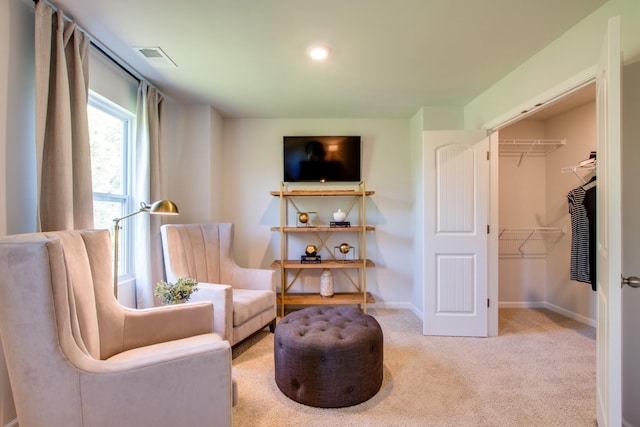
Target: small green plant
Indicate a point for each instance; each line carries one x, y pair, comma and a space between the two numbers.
174, 293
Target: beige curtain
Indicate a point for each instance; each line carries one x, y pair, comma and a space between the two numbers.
147, 188
65, 198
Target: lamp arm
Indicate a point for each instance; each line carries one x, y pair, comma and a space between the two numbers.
116, 233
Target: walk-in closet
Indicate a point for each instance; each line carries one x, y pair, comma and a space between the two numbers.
542, 158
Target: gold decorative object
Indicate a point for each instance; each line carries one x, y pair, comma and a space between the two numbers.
307, 219
311, 250
343, 252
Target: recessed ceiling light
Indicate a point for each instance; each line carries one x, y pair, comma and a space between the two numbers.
319, 52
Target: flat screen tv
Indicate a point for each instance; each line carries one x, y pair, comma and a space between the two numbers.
321, 158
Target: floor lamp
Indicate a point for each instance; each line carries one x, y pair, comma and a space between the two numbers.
161, 207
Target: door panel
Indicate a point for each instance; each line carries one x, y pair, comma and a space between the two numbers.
609, 237
455, 253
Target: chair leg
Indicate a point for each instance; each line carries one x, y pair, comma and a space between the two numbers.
272, 326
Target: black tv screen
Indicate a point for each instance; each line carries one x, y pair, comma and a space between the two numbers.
321, 158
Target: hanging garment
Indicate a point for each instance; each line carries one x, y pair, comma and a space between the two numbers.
579, 267
589, 203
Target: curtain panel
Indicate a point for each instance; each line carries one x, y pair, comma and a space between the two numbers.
149, 268
65, 197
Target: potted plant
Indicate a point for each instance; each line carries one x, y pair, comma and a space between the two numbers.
174, 293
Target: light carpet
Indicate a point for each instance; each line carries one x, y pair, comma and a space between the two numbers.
539, 371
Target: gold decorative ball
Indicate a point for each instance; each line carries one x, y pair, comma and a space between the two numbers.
345, 248
303, 217
311, 250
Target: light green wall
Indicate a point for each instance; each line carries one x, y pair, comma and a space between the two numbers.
569, 55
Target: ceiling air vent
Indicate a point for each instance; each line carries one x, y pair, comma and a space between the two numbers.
156, 57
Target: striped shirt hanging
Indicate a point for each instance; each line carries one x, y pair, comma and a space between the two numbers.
579, 268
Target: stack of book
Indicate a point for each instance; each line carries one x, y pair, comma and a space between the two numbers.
306, 259
340, 224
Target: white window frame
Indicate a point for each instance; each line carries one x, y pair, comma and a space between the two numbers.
126, 236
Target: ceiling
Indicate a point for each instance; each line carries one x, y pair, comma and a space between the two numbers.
247, 58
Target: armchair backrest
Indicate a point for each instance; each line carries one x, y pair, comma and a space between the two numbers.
49, 316
95, 318
203, 252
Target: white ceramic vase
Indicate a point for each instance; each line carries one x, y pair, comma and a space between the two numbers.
339, 216
326, 283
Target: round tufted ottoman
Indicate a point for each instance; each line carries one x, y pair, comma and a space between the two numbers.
328, 357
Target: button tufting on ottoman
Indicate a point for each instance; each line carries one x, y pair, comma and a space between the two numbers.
328, 357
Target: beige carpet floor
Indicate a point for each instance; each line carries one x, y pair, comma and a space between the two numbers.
539, 371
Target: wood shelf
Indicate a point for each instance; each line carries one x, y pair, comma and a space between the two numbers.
292, 263
324, 228
340, 298
322, 193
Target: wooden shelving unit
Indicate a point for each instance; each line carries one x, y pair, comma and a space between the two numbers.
290, 269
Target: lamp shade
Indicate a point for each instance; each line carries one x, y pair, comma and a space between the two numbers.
164, 207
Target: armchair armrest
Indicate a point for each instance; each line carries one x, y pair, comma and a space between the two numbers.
254, 278
222, 298
171, 322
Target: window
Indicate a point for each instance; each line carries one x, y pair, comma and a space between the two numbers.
110, 132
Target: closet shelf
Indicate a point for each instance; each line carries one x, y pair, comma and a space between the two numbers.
528, 147
536, 242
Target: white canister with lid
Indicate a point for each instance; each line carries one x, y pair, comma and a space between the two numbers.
339, 216
326, 283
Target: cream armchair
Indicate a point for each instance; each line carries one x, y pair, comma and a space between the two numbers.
76, 357
244, 299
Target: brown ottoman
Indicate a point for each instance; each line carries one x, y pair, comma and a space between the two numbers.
328, 357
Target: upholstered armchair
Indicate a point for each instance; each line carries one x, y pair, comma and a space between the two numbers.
244, 299
76, 357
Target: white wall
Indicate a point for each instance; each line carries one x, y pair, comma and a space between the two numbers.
191, 160
578, 127
417, 177
17, 141
4, 100
18, 138
522, 205
252, 168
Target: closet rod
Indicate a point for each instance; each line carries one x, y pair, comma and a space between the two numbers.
95, 43
575, 169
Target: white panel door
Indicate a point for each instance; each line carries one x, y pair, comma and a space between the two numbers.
456, 218
609, 238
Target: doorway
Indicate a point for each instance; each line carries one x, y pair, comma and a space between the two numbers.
542, 158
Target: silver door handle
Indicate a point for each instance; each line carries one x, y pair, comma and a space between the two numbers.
632, 281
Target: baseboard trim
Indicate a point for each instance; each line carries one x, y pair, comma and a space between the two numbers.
572, 315
397, 305
521, 304
531, 304
12, 423
502, 304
